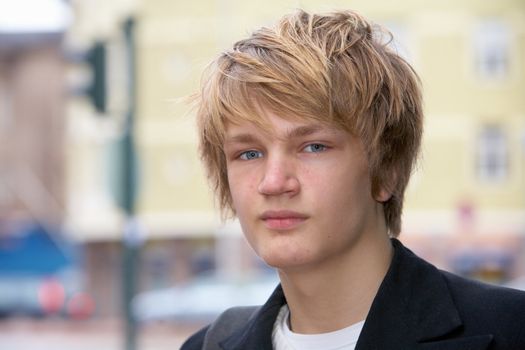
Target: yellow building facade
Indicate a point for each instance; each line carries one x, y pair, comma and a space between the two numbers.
469, 55
469, 185
469, 188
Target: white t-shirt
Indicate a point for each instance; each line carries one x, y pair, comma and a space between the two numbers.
284, 339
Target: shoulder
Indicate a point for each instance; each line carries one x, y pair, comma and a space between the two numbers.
435, 302
485, 298
196, 341
497, 309
226, 324
467, 294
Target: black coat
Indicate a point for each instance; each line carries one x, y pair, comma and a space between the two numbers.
417, 307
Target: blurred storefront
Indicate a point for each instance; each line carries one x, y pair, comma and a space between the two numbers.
40, 267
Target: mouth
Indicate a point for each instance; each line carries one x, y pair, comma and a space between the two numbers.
282, 219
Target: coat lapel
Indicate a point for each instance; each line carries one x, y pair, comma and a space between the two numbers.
257, 333
414, 306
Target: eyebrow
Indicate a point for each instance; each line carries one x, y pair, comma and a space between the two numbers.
302, 131
241, 138
297, 132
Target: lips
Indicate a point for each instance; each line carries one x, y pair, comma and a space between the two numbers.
282, 219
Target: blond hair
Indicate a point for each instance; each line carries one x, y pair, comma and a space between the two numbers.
335, 68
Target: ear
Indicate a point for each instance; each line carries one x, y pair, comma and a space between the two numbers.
383, 189
383, 195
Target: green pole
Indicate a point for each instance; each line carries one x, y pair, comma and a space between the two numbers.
132, 240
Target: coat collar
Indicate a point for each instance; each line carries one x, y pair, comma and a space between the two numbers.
413, 306
257, 333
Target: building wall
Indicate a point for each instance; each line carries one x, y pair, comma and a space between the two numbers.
177, 40
468, 195
451, 208
32, 126
465, 109
469, 112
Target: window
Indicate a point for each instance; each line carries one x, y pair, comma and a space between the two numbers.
492, 163
492, 50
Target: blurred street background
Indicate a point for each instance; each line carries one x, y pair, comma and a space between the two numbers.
108, 234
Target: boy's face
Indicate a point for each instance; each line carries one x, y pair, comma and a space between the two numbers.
301, 191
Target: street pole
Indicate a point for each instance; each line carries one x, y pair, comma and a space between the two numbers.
132, 237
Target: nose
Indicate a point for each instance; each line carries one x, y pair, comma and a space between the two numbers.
279, 178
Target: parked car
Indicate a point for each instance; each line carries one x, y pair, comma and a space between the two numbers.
39, 274
203, 298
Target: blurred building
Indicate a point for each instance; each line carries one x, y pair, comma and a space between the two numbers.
465, 206
32, 123
35, 255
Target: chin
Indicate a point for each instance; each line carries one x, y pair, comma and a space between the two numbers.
284, 260
282, 250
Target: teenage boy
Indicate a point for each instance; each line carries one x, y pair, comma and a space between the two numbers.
309, 132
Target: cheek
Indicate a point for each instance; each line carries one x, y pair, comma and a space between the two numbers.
315, 178
341, 188
329, 178
242, 187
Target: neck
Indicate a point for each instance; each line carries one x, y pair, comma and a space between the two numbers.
339, 292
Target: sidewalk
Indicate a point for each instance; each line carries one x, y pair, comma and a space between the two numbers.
55, 334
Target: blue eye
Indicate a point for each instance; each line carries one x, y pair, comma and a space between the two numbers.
315, 147
251, 154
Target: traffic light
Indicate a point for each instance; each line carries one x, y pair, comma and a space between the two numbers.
97, 89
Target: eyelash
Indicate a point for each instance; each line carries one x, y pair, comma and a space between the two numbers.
244, 154
324, 147
257, 154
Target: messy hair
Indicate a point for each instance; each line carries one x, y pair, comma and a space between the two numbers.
335, 68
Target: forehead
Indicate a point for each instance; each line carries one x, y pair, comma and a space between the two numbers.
277, 127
